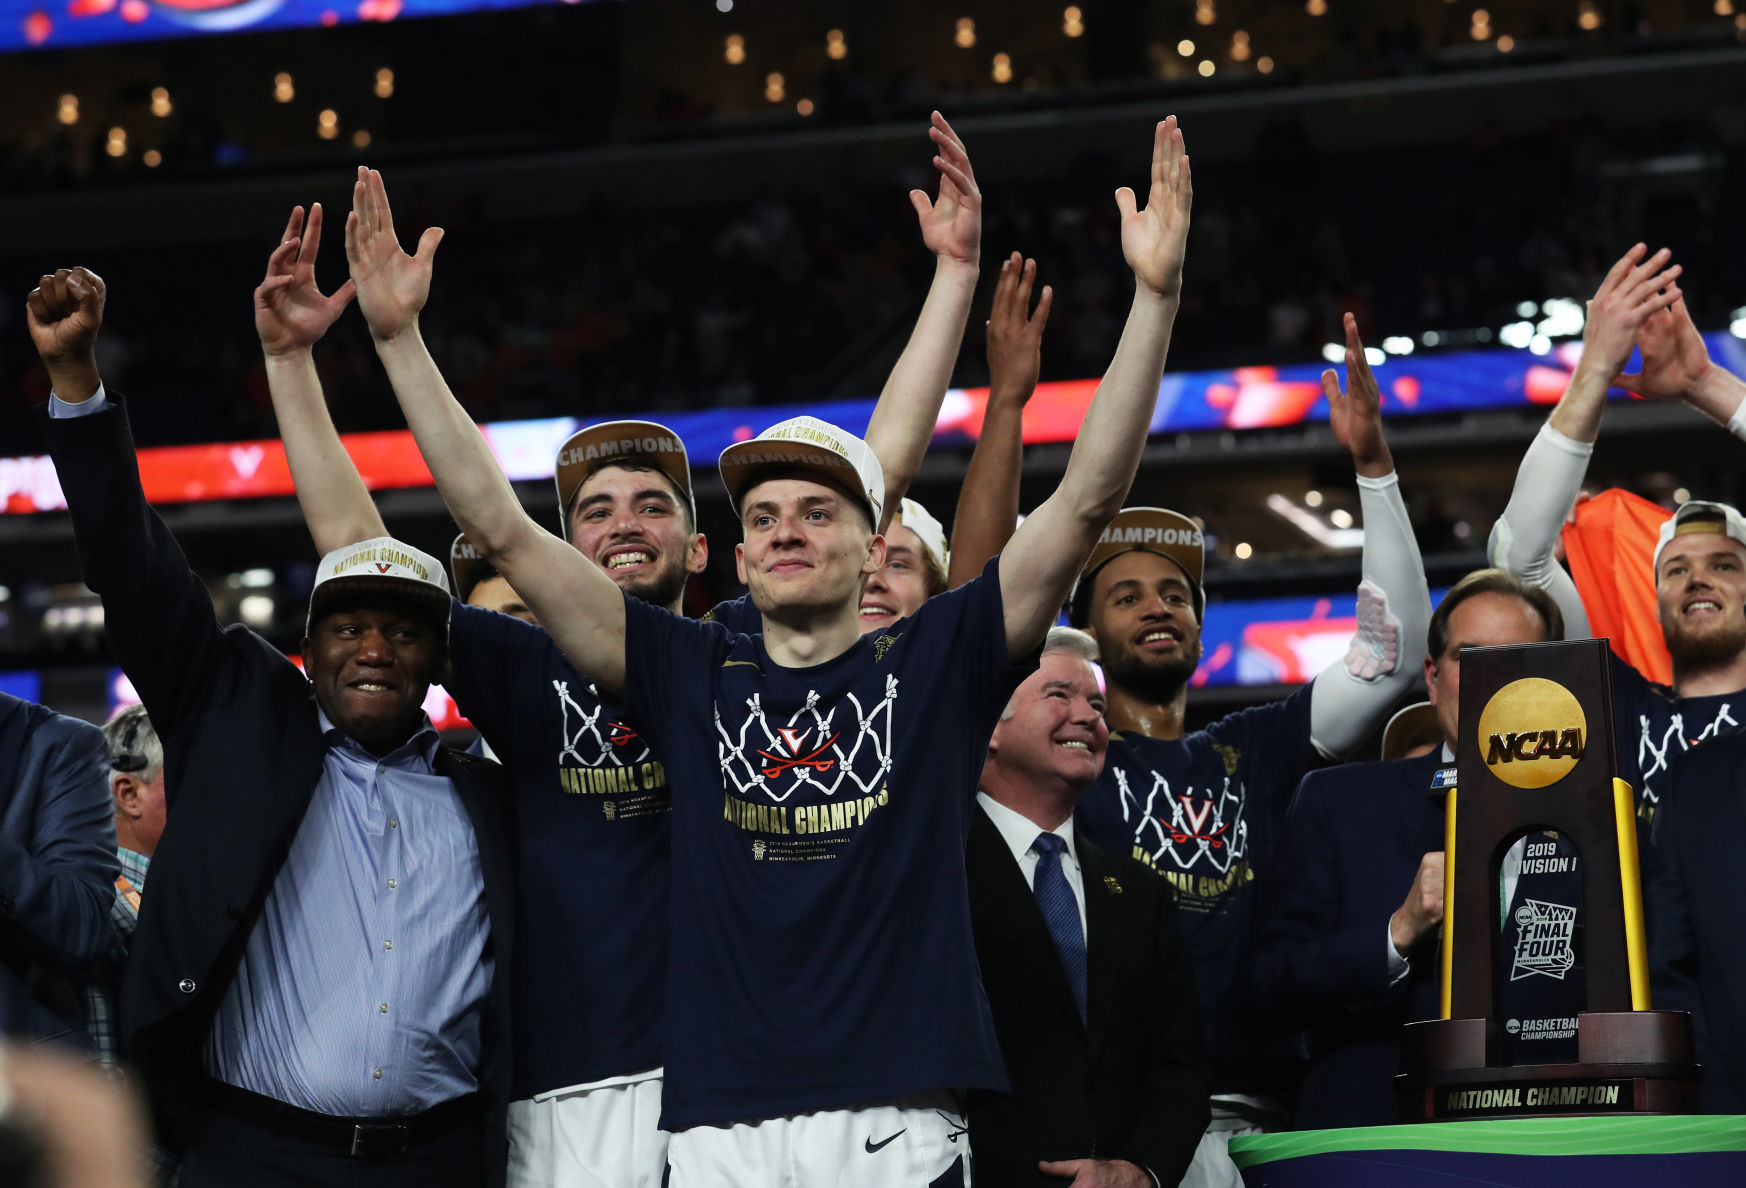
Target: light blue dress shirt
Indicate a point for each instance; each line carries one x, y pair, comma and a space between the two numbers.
362, 986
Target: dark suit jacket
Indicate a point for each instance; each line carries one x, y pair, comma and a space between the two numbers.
242, 756
1696, 905
57, 868
1135, 1085
1353, 839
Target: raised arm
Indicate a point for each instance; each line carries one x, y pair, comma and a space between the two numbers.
1550, 477
1040, 562
1677, 366
989, 504
291, 316
575, 601
157, 615
1351, 695
909, 405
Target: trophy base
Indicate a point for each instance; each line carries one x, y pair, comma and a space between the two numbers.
1631, 1062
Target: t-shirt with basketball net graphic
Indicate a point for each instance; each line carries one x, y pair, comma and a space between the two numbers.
1203, 811
592, 814
821, 947
1655, 725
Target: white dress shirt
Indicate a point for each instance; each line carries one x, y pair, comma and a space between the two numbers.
1020, 832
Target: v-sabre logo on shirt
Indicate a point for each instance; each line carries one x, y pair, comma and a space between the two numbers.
816, 751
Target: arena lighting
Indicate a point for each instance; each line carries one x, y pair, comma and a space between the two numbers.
774, 87
1724, 7
152, 158
1243, 551
1264, 64
160, 101
1239, 46
117, 145
283, 91
1588, 17
1185, 47
1563, 317
256, 610
1002, 72
1204, 13
1334, 352
384, 83
327, 124
734, 49
1313, 526
1206, 68
836, 45
965, 35
1506, 43
1340, 518
1516, 334
724, 5
1072, 21
1526, 309
67, 111
1540, 345
1681, 495
1737, 324
1398, 344
1312, 498
804, 107
1316, 7
362, 138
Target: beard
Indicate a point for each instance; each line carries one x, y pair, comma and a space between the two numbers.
1716, 643
1155, 680
661, 588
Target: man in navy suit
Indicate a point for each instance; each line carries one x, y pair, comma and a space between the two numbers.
1357, 839
1695, 906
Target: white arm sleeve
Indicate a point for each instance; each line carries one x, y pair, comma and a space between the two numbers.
1350, 696
1522, 540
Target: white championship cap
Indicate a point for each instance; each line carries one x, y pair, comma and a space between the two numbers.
1694, 517
930, 531
838, 458
384, 565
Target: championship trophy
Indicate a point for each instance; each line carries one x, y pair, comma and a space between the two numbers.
1545, 967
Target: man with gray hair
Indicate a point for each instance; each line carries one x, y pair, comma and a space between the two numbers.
136, 784
1090, 985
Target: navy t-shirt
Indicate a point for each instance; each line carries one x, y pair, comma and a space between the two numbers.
592, 840
1203, 811
1655, 726
821, 951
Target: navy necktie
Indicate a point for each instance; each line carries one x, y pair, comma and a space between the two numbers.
1061, 912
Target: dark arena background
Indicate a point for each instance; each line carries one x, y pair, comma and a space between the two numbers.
696, 211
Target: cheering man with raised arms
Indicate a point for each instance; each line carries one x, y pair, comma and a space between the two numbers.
592, 798
823, 996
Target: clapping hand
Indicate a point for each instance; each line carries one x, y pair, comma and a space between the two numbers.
1015, 335
290, 312
1355, 414
1153, 239
392, 286
951, 224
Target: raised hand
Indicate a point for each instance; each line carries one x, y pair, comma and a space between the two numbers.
65, 312
1675, 360
392, 286
1015, 335
951, 225
290, 312
1153, 239
1635, 289
1355, 414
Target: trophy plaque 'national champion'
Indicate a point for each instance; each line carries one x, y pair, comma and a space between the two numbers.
1545, 969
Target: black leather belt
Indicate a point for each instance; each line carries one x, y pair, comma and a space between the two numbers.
368, 1138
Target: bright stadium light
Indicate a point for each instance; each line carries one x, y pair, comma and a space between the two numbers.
1334, 352
1398, 344
1516, 334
